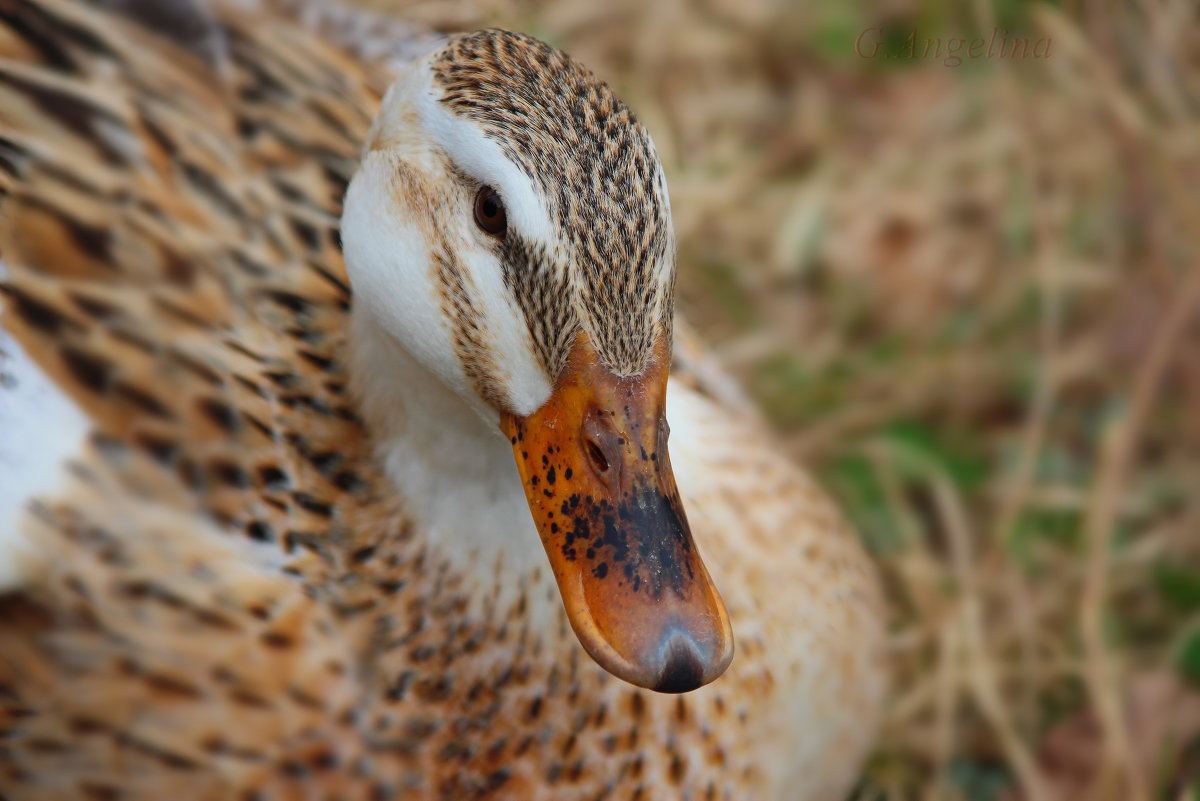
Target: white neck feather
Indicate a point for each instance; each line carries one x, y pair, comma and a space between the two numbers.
454, 468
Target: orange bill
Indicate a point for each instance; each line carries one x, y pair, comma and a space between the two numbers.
594, 464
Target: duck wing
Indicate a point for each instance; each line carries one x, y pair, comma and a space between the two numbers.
169, 226
170, 185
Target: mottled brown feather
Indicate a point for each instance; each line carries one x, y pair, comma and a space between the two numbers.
229, 601
596, 166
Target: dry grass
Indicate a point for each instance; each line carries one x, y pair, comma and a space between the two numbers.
968, 296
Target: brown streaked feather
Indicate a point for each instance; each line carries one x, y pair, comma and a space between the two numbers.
595, 164
156, 619
229, 600
195, 281
170, 234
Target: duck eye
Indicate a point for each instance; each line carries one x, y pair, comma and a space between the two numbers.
489, 212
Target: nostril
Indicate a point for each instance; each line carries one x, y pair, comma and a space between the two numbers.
595, 455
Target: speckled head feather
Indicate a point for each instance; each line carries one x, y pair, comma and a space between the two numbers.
596, 167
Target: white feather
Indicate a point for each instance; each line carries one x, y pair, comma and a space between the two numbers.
388, 255
40, 428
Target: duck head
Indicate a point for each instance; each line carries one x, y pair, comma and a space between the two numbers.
509, 228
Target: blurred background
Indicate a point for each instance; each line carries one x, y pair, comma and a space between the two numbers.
962, 281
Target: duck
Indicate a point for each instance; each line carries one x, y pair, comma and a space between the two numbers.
341, 365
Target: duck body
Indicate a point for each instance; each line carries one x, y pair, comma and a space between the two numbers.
259, 577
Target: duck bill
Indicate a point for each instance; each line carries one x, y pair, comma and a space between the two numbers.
595, 468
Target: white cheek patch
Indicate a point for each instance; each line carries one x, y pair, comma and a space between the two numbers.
483, 159
388, 261
389, 257
507, 335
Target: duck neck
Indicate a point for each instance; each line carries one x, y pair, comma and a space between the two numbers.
454, 470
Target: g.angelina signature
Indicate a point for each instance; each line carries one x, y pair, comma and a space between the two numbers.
872, 44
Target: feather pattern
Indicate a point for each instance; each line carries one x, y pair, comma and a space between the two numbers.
227, 598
